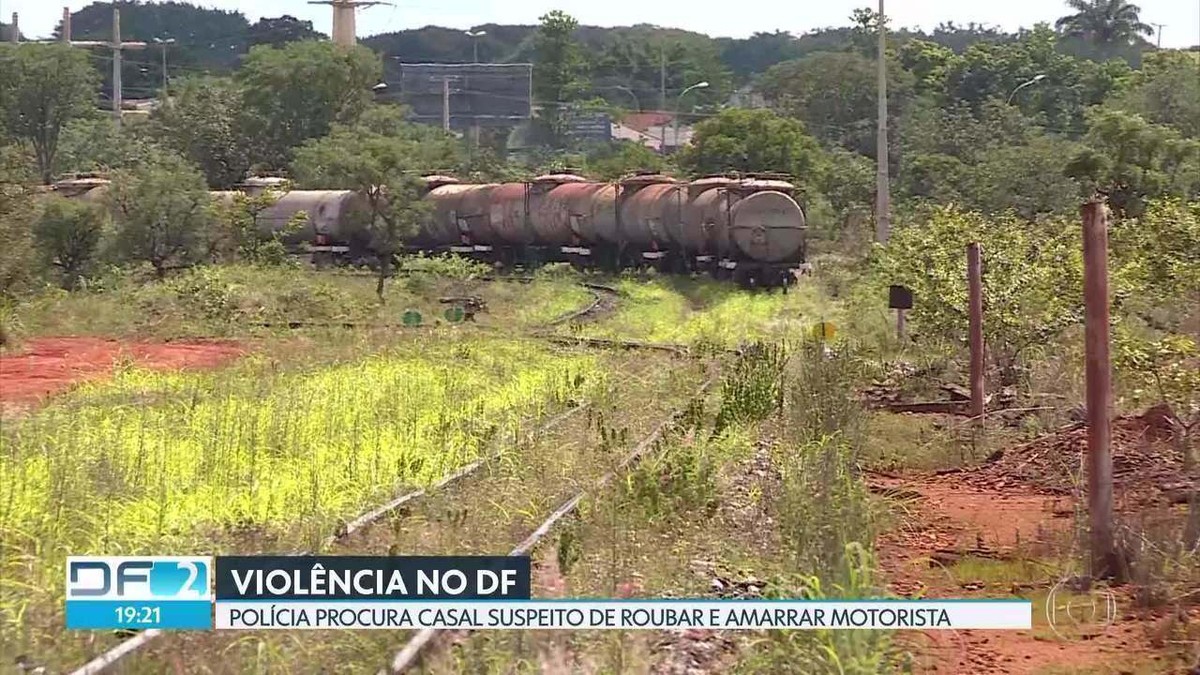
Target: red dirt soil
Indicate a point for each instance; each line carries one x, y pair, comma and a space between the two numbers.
947, 514
50, 366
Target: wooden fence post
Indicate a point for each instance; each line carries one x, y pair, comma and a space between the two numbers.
1099, 390
975, 297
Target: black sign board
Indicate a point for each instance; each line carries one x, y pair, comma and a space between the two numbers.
900, 297
591, 127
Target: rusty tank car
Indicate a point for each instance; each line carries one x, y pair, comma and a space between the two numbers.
747, 228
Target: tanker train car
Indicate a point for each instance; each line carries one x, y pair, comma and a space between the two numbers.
750, 230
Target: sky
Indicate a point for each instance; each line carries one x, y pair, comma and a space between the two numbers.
1181, 18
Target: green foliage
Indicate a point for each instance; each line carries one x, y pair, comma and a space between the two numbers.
207, 120
558, 73
992, 161
616, 160
1166, 91
1131, 161
299, 91
848, 181
444, 266
751, 140
16, 215
1167, 370
825, 514
118, 465
1105, 22
239, 232
754, 388
279, 31
162, 213
679, 481
1157, 256
996, 72
1032, 280
96, 145
382, 159
68, 236
635, 59
42, 88
760, 51
835, 95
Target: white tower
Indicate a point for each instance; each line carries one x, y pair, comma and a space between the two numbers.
345, 31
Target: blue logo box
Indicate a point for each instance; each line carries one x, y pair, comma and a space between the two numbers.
160, 592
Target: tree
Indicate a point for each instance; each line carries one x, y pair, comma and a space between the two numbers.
240, 234
991, 161
617, 160
382, 158
750, 141
557, 72
16, 215
1104, 22
1132, 160
835, 95
760, 51
1166, 91
279, 31
297, 92
68, 235
162, 213
42, 88
1032, 281
1006, 72
98, 145
207, 121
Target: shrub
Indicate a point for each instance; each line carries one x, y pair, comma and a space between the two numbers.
68, 235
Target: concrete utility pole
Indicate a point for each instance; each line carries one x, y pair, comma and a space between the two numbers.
116, 45
446, 103
975, 302
14, 29
883, 200
1099, 390
345, 32
1159, 26
662, 94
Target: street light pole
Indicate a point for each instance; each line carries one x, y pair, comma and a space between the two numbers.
636, 102
678, 105
1035, 80
475, 42
164, 43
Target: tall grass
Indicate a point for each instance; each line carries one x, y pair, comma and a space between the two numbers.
702, 311
199, 463
825, 516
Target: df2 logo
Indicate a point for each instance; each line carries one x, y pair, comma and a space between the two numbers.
1071, 613
100, 578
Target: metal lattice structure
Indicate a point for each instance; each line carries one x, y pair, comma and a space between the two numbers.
469, 94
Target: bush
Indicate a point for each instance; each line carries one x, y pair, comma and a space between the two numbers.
68, 235
162, 214
1032, 280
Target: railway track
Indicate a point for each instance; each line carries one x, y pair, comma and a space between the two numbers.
410, 654
111, 657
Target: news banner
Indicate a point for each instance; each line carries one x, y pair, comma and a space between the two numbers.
478, 593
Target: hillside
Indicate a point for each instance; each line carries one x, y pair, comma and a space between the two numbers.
620, 59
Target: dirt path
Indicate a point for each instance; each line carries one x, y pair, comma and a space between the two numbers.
51, 366
954, 540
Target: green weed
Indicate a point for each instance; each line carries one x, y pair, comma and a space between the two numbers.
199, 462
